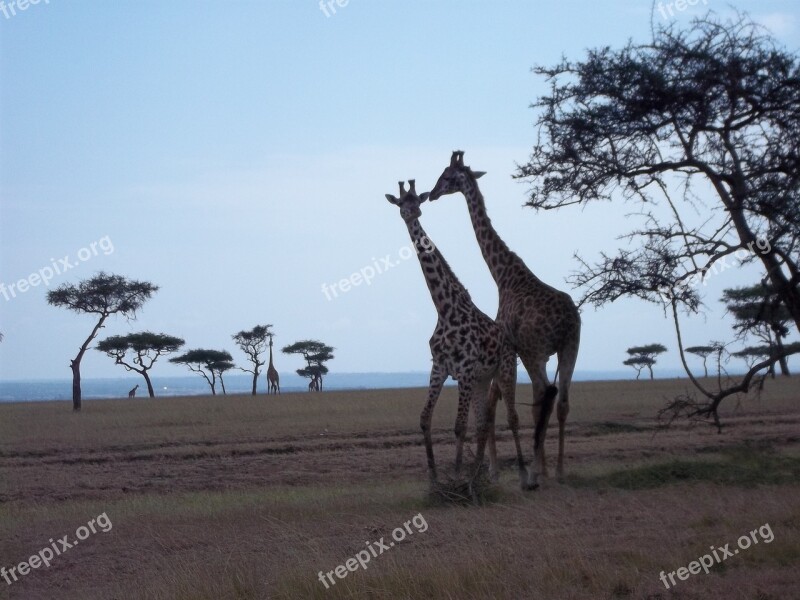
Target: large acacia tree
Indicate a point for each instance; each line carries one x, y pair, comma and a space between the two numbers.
700, 128
103, 295
145, 348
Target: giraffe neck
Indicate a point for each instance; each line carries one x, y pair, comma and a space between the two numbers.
270, 355
445, 288
502, 262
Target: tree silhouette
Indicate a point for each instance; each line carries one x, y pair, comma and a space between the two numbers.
713, 108
254, 343
759, 312
146, 347
639, 363
643, 356
102, 295
210, 364
316, 354
703, 352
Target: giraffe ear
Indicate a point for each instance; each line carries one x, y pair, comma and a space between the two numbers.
392, 199
424, 196
478, 174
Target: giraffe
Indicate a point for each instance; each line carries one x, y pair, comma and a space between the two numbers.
538, 320
273, 379
466, 345
313, 385
132, 393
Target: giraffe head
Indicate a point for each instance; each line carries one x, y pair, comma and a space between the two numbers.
408, 201
454, 177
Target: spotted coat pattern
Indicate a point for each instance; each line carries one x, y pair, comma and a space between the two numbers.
537, 319
466, 344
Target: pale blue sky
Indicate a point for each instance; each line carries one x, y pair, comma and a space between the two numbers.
237, 154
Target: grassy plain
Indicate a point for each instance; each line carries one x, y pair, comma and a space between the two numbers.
244, 497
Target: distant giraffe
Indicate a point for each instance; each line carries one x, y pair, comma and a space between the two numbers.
538, 320
273, 379
132, 393
466, 345
313, 385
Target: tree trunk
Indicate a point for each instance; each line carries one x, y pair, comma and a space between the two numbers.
149, 383
222, 383
784, 362
705, 368
255, 382
651, 372
75, 365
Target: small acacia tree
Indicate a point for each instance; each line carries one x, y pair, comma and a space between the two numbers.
208, 363
644, 356
254, 343
703, 352
146, 348
316, 354
639, 363
759, 312
102, 295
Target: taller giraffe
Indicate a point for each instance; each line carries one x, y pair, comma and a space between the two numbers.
273, 379
466, 345
539, 320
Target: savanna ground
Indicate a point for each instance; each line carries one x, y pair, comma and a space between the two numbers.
247, 498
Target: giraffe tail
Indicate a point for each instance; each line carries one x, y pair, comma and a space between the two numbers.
547, 405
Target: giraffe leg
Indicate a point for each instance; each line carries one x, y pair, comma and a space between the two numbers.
542, 407
438, 377
479, 398
464, 397
566, 365
507, 377
494, 395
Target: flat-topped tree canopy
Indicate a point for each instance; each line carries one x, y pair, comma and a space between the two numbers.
146, 347
104, 294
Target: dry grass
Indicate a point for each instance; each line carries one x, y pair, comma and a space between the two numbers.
249, 498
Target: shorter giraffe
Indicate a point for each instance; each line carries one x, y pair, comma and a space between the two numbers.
132, 393
273, 379
466, 345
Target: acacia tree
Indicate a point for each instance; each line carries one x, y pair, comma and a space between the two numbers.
644, 356
146, 348
208, 363
639, 363
316, 354
712, 111
254, 343
703, 352
759, 312
752, 354
102, 295
219, 367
